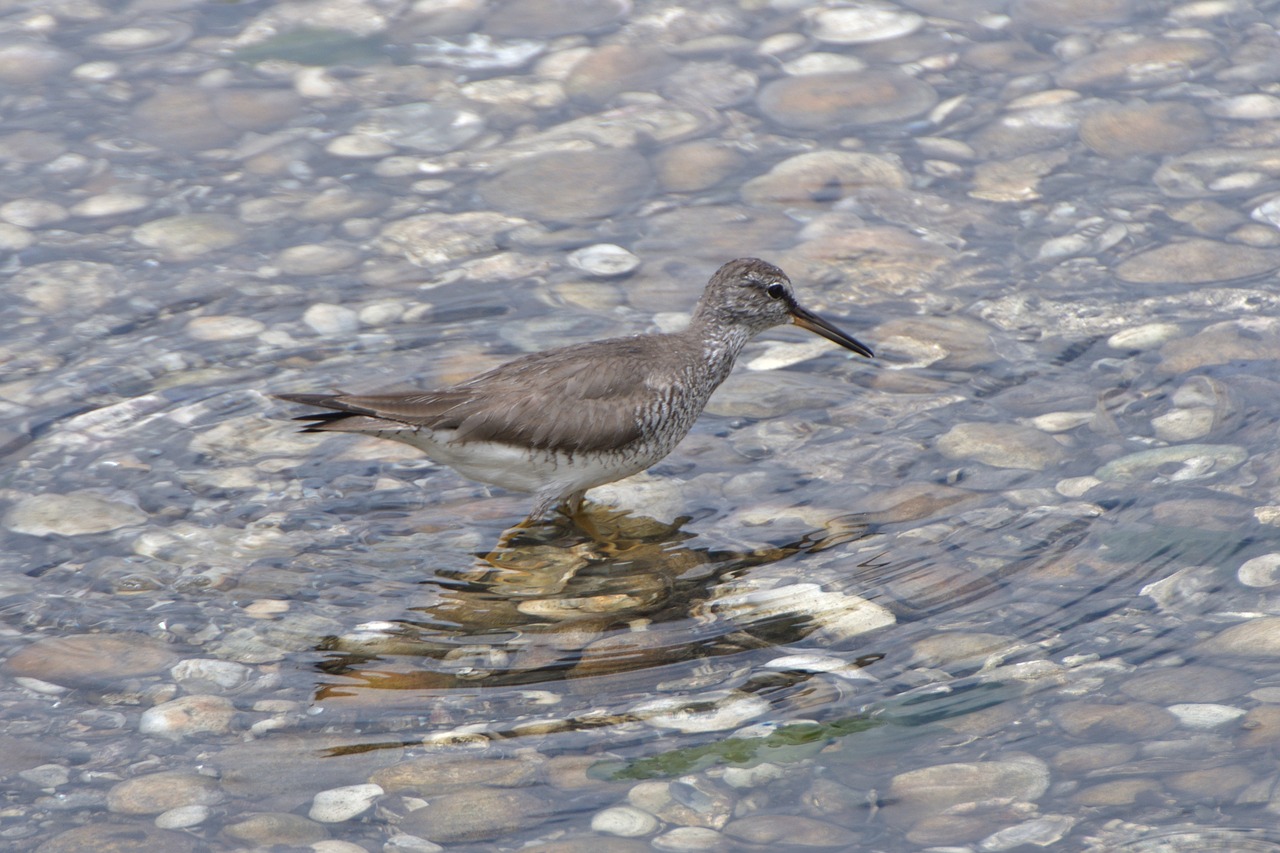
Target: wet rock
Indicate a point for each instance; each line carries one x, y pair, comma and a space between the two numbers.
189, 715
222, 327
1041, 832
1204, 716
1078, 760
159, 792
183, 817
1179, 462
842, 100
1263, 571
1187, 683
29, 61
551, 18
190, 236
697, 165
61, 286
790, 830
91, 660
1016, 179
959, 343
33, 212
284, 771
862, 24
570, 186
110, 204
612, 69
327, 319
1260, 728
822, 176
314, 259
423, 127
1048, 14
1002, 446
707, 712
928, 790
1139, 129
75, 514
687, 801
604, 260
482, 814
836, 615
1197, 261
438, 239
276, 828
1256, 638
624, 821
1217, 171
1185, 424
1120, 792
338, 804
436, 775
118, 838
954, 647
1147, 62
1097, 721
1248, 339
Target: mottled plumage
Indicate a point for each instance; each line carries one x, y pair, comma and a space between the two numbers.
565, 420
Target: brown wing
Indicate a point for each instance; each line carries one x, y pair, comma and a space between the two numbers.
576, 399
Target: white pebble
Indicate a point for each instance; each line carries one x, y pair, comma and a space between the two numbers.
338, 804
182, 817
604, 260
624, 821
327, 319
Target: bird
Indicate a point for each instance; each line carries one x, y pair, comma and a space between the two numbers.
562, 421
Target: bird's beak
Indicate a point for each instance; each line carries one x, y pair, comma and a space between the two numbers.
808, 320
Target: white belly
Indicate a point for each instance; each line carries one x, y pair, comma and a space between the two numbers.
522, 470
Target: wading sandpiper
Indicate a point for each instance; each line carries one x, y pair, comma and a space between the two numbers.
559, 422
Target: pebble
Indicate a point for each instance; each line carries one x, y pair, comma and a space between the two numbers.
438, 774
276, 828
110, 204
1197, 261
1145, 337
33, 212
1175, 463
1135, 129
624, 821
707, 712
160, 792
75, 514
1002, 446
1247, 339
132, 837
222, 327
189, 715
1186, 683
604, 260
918, 793
327, 319
187, 237
690, 839
479, 814
1098, 721
316, 259
693, 166
771, 830
183, 817
577, 187
1203, 716
91, 660
814, 177
1145, 63
204, 675
1261, 572
338, 804
845, 100
1255, 638
862, 24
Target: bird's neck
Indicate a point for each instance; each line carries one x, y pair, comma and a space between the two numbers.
721, 343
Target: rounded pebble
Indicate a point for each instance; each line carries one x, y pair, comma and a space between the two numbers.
77, 514
604, 260
339, 804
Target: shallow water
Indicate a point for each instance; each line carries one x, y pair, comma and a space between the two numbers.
1011, 585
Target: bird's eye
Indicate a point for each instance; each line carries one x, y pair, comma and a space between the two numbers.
776, 290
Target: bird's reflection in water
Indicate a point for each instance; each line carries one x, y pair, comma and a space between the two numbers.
550, 604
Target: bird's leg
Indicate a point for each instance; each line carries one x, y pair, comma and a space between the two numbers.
572, 508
